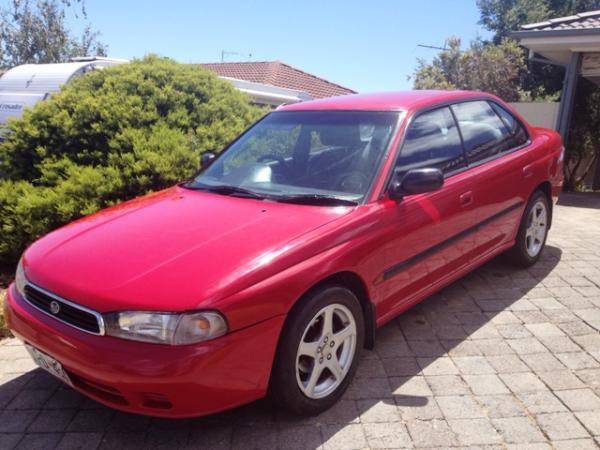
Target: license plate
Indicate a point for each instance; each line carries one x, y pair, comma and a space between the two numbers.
48, 363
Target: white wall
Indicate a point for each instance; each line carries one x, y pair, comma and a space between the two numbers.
538, 114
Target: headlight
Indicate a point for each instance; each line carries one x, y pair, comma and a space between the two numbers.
20, 280
166, 328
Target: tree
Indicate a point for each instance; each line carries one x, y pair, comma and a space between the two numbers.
505, 16
492, 68
35, 32
109, 136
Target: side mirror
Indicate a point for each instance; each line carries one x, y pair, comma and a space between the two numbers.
207, 159
416, 181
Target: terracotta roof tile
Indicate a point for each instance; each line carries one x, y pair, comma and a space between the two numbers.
277, 73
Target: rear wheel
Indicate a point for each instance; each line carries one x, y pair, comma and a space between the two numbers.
533, 231
318, 351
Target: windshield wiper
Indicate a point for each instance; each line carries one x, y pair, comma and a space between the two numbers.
315, 199
228, 190
301, 199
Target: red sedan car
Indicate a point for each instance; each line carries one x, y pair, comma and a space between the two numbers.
270, 271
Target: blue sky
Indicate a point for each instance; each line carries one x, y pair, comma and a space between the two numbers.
366, 46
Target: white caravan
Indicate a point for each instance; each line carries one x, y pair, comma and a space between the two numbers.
23, 86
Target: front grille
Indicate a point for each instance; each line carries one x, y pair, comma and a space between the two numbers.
68, 312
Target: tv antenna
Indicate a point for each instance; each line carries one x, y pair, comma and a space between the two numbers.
434, 47
225, 53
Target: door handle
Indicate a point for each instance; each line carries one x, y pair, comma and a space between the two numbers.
527, 171
466, 198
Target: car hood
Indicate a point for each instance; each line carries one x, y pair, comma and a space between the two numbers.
173, 250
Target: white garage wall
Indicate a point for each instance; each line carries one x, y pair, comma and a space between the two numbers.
538, 114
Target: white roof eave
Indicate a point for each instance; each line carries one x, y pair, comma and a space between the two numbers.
559, 49
269, 94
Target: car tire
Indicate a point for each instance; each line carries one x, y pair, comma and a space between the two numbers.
533, 232
311, 370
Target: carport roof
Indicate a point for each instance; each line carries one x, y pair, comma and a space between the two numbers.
572, 41
557, 39
583, 21
586, 23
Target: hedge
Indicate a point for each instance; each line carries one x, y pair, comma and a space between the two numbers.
109, 136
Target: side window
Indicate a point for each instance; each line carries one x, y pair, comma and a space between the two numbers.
484, 134
432, 140
517, 134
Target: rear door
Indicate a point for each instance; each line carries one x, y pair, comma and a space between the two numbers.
496, 149
426, 233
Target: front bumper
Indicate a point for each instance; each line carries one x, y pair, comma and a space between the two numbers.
156, 380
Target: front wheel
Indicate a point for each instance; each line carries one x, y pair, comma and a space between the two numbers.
533, 231
318, 351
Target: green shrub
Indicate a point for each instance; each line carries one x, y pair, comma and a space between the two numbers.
109, 136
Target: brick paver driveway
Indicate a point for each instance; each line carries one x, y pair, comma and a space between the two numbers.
502, 359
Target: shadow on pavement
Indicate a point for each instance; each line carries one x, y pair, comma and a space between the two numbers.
580, 199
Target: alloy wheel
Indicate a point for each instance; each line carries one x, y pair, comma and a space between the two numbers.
535, 233
326, 351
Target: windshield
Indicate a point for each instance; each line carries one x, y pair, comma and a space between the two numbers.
312, 155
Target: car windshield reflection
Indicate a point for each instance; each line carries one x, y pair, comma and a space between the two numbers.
304, 156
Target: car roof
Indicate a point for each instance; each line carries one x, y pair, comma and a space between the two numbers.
385, 101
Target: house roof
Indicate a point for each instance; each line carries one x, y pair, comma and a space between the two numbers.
277, 73
583, 21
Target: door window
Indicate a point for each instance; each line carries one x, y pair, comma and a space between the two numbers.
484, 133
517, 134
432, 140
